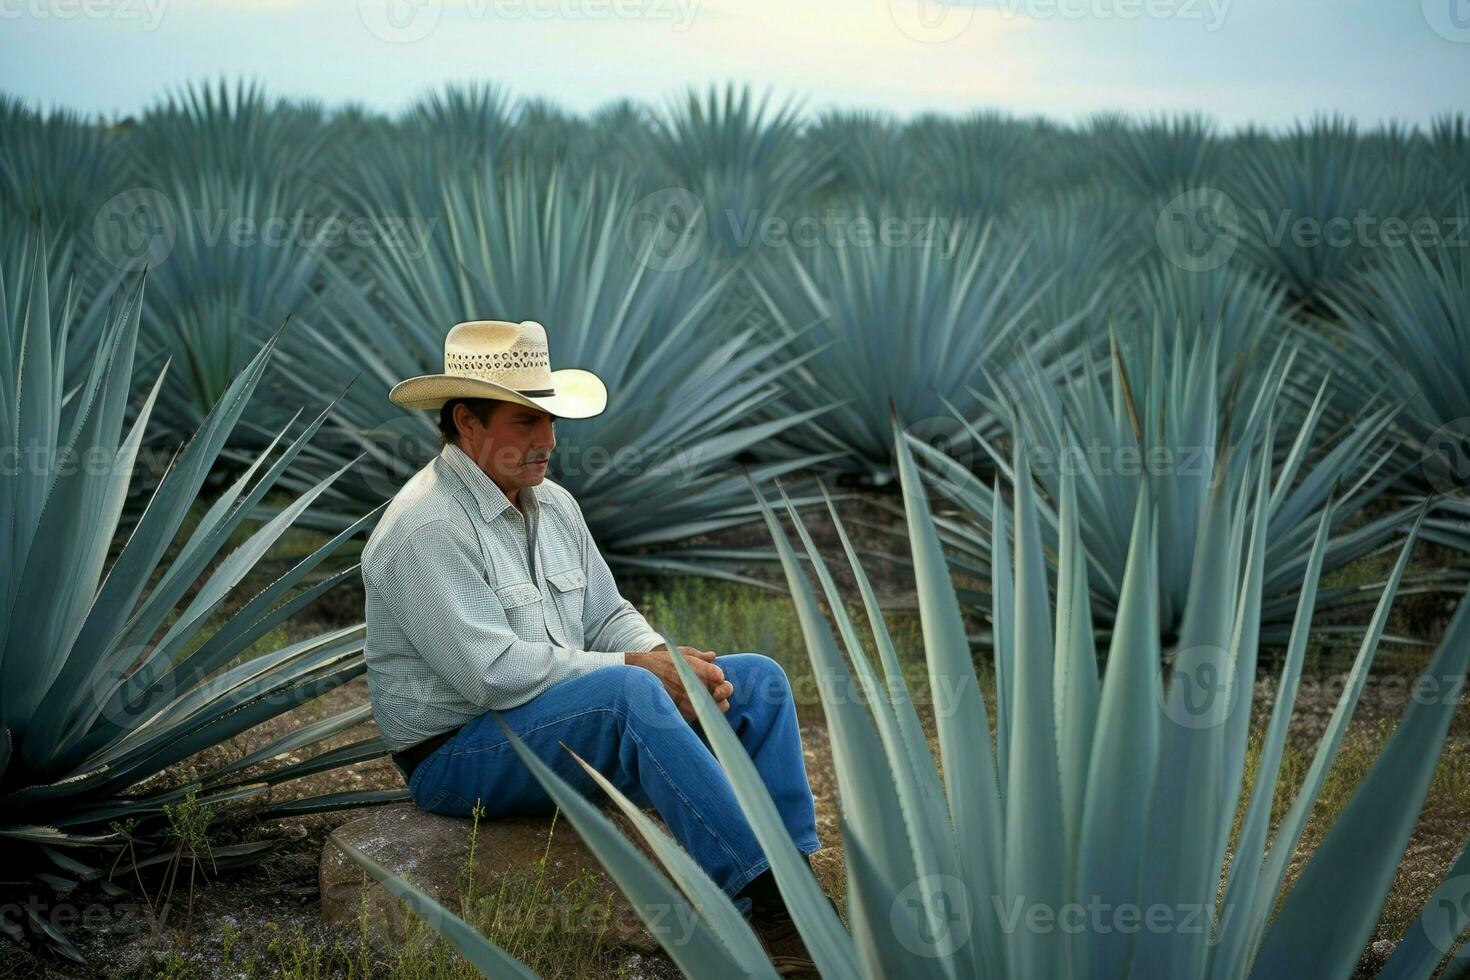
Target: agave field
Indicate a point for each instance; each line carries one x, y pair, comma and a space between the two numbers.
1137, 398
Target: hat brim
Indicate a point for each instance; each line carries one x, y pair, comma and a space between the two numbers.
579, 394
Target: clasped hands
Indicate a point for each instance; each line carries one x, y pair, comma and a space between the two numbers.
660, 662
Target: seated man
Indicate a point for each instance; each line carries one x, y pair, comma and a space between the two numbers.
486, 595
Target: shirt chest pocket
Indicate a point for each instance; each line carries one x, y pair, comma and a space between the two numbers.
569, 587
522, 604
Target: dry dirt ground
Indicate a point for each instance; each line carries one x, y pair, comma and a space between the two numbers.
248, 909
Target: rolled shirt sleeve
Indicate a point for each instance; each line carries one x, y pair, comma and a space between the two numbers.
433, 587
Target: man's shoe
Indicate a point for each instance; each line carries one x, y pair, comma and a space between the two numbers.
774, 927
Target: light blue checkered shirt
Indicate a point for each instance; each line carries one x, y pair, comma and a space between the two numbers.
473, 606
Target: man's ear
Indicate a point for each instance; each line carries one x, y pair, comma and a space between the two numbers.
464, 420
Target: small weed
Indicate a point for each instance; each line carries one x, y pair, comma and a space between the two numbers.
188, 827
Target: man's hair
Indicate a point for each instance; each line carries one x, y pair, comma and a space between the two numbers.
482, 407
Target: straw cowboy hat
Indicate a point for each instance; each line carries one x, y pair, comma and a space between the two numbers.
505, 361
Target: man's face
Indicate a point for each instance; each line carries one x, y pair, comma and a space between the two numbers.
513, 447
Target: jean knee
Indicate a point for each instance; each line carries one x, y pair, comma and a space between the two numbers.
639, 694
758, 671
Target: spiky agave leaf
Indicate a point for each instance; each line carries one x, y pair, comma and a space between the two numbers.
616, 139
81, 293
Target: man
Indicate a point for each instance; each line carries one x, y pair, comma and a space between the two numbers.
486, 596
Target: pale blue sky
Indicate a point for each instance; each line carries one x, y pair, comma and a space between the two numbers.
1264, 61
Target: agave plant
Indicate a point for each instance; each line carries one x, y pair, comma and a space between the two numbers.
1449, 149
1086, 243
653, 471
76, 285
234, 134
1407, 324
1108, 796
1162, 155
908, 321
1162, 414
36, 148
1299, 200
742, 158
243, 258
34, 205
1247, 309
111, 672
546, 136
983, 166
473, 123
871, 159
1417, 168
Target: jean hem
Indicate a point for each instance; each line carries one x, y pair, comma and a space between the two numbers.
764, 865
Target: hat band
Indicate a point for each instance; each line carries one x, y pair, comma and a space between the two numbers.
536, 392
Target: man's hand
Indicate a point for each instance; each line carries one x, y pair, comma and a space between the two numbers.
660, 662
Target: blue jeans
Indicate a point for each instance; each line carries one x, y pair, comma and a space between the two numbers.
621, 720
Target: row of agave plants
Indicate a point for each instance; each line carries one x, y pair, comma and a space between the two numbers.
729, 242
1099, 836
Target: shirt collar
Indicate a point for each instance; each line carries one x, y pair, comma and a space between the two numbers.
492, 500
